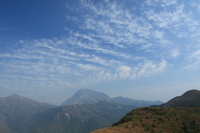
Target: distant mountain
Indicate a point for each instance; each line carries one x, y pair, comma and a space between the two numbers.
86, 96
79, 118
190, 98
91, 96
18, 112
138, 103
157, 120
4, 128
23, 115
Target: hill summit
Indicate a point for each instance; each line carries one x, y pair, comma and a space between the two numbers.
190, 98
86, 96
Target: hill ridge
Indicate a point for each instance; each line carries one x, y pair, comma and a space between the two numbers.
190, 98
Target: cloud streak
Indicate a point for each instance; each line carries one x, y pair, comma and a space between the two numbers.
111, 41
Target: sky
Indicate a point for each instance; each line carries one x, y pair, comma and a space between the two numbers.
140, 49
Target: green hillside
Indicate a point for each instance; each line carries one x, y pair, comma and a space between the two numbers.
157, 120
179, 115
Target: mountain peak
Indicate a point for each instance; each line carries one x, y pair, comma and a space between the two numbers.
86, 96
15, 96
85, 89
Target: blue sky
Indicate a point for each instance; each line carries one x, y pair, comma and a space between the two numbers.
141, 49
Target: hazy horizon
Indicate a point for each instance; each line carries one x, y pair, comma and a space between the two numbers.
139, 49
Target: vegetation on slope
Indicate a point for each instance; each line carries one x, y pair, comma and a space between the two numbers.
158, 120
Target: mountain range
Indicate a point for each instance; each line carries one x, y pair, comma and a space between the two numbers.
137, 103
22, 115
178, 115
79, 118
88, 110
91, 96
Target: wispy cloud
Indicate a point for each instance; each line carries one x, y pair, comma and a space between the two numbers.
175, 53
148, 68
107, 41
194, 60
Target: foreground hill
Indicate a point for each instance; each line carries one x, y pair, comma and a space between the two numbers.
179, 115
79, 118
86, 96
190, 98
17, 112
157, 120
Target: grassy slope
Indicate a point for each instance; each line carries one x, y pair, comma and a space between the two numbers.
157, 120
